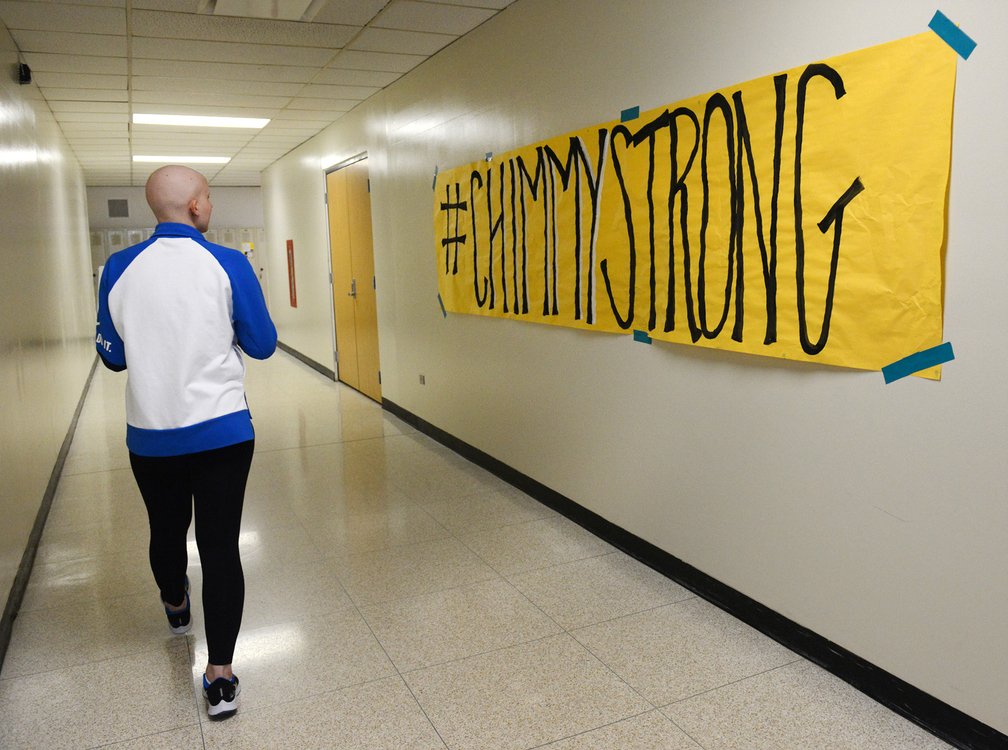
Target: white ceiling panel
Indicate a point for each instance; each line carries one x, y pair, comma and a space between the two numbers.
494, 4
63, 17
59, 43
217, 111
355, 12
298, 104
40, 62
380, 61
74, 130
230, 52
109, 107
344, 77
324, 91
246, 30
86, 95
180, 61
431, 17
405, 42
97, 142
78, 80
245, 88
314, 117
97, 3
200, 101
223, 71
176, 6
224, 142
62, 117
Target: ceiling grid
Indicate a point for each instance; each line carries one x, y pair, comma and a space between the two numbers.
300, 63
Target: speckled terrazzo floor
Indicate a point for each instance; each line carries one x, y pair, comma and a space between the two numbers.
397, 597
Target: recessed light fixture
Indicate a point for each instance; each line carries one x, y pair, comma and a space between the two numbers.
185, 159
200, 121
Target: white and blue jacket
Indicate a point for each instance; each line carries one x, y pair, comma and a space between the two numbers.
175, 309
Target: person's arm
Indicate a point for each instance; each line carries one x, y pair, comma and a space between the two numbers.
107, 340
254, 328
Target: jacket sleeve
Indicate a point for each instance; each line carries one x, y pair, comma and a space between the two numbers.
107, 340
254, 328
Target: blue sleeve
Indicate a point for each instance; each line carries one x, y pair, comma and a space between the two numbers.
107, 339
256, 333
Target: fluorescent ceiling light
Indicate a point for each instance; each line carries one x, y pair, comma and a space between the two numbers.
200, 121
185, 159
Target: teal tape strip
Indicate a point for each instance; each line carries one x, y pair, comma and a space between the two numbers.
952, 35
441, 302
629, 114
642, 337
916, 362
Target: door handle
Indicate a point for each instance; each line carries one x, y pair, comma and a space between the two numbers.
353, 289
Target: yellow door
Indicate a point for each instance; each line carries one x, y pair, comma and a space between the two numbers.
354, 294
343, 283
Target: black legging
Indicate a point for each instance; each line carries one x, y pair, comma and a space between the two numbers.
214, 482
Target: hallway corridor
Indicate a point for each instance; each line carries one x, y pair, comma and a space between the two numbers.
397, 597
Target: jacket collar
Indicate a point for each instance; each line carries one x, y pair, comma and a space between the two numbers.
174, 229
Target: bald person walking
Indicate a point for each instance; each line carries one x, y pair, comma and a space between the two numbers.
178, 312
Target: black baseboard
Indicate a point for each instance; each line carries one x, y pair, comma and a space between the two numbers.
17, 591
945, 722
307, 360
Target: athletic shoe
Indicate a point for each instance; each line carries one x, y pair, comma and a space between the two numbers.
180, 622
221, 696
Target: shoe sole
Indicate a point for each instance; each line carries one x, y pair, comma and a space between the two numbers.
182, 630
224, 709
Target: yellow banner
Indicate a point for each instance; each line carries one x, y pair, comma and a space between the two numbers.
800, 216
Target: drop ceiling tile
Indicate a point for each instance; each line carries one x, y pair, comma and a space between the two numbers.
312, 107
110, 107
230, 52
223, 71
63, 17
199, 101
309, 116
41, 62
73, 127
177, 109
97, 3
344, 77
174, 6
65, 117
85, 95
47, 80
246, 30
380, 61
59, 43
495, 4
323, 91
110, 150
432, 17
98, 142
404, 42
204, 86
356, 12
220, 141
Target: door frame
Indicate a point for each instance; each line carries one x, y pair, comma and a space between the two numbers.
332, 301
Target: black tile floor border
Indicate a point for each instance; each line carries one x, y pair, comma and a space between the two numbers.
307, 360
939, 718
20, 583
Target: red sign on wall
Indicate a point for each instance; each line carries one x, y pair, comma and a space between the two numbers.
290, 272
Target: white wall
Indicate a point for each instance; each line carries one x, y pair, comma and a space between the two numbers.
232, 207
875, 515
46, 305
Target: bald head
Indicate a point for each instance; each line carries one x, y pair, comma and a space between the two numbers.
179, 194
